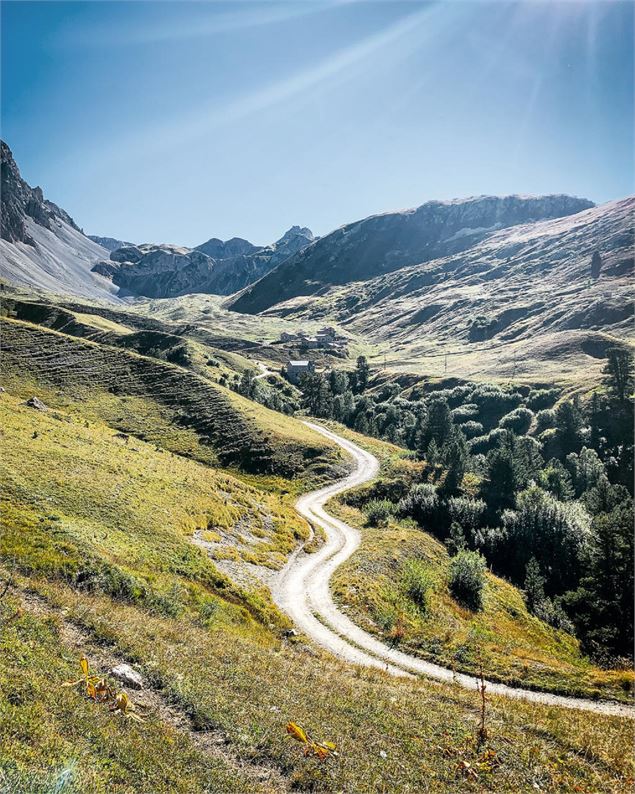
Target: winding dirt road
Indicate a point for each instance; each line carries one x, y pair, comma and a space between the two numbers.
302, 591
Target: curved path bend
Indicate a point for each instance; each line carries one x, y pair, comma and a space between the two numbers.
302, 591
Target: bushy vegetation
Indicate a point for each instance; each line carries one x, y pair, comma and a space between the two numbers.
378, 511
272, 391
417, 582
545, 497
467, 579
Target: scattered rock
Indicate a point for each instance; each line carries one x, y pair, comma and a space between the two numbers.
290, 633
127, 675
36, 403
2, 390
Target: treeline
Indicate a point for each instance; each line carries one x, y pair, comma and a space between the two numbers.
540, 487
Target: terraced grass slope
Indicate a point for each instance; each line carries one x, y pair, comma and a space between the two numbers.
144, 396
97, 557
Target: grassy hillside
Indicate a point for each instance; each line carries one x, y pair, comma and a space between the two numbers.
146, 397
98, 555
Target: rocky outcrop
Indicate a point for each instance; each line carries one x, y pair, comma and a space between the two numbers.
163, 271
20, 201
109, 243
219, 249
384, 243
40, 244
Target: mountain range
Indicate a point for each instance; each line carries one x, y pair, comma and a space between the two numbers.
41, 246
216, 267
487, 283
485, 287
393, 241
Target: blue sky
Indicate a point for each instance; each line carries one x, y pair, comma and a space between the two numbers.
176, 122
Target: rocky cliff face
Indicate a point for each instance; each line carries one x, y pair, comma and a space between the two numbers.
20, 201
385, 243
217, 267
40, 244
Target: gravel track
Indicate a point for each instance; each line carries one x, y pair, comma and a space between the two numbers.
302, 591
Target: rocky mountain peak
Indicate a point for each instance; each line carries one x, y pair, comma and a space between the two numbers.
297, 231
223, 249
21, 201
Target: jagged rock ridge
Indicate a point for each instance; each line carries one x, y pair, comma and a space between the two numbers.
216, 267
20, 201
109, 243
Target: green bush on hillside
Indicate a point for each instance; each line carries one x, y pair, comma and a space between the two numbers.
467, 579
378, 512
417, 583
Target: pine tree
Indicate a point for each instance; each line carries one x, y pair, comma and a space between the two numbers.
338, 381
619, 373
534, 586
502, 481
362, 373
456, 540
596, 265
437, 425
569, 425
596, 420
324, 400
432, 453
248, 383
557, 480
602, 607
456, 459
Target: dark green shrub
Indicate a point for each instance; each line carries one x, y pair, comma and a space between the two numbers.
545, 419
417, 582
467, 579
378, 512
472, 429
542, 398
518, 420
464, 413
421, 504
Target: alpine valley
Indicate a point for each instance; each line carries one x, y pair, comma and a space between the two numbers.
349, 513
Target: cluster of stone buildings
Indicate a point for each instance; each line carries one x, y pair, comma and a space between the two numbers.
325, 339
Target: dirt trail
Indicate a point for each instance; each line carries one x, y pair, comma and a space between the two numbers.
302, 591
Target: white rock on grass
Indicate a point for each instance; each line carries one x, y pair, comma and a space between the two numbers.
127, 675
